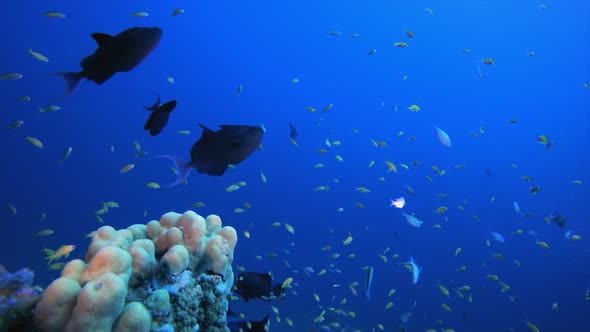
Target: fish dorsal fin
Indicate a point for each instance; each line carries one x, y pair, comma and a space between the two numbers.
101, 38
207, 133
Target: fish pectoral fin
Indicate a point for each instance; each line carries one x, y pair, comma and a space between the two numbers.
155, 106
101, 38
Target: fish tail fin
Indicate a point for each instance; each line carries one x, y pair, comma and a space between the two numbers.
183, 168
278, 291
72, 80
155, 106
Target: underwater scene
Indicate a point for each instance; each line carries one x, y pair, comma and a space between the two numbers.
305, 166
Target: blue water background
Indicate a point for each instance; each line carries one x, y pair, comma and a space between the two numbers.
214, 47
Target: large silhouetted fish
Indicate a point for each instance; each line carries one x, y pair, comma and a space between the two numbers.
216, 150
119, 53
247, 326
159, 116
254, 285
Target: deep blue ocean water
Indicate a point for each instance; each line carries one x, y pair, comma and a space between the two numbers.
214, 47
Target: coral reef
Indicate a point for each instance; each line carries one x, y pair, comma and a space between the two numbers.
169, 275
17, 298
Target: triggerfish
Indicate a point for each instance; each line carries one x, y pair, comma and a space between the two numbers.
216, 150
159, 116
415, 270
119, 53
369, 282
443, 137
254, 285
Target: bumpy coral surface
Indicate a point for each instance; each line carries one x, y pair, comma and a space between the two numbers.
169, 275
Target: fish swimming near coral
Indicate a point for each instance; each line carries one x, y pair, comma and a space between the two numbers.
247, 326
216, 150
115, 54
254, 285
159, 116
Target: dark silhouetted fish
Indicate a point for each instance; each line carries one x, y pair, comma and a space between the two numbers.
215, 150
254, 285
293, 133
159, 117
559, 219
245, 326
114, 54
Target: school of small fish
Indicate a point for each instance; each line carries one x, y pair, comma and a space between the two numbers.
347, 196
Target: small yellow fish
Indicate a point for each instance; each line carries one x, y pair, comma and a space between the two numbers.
66, 154
414, 108
198, 205
11, 76
238, 210
348, 240
37, 56
443, 290
289, 228
327, 108
177, 11
126, 168
287, 283
543, 244
153, 185
232, 187
339, 158
15, 124
34, 142
457, 251
263, 177
45, 232
401, 44
441, 209
446, 307
57, 266
184, 132
390, 167
532, 327
63, 251
140, 14
55, 14
363, 190
492, 277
